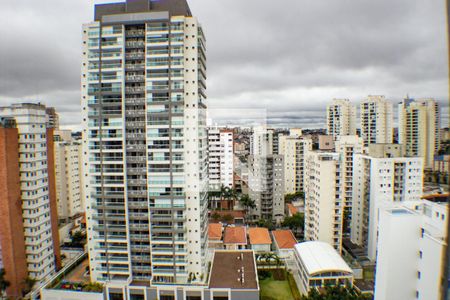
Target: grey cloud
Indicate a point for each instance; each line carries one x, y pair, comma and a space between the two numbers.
289, 58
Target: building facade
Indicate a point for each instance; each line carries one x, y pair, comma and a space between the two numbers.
37, 190
341, 118
323, 198
266, 187
145, 139
12, 239
347, 146
382, 176
318, 265
220, 158
68, 174
411, 251
294, 150
376, 120
419, 128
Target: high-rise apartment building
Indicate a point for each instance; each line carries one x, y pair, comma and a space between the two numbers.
145, 139
347, 146
419, 128
382, 176
376, 120
12, 239
411, 251
68, 174
266, 187
294, 149
341, 118
220, 158
33, 189
261, 141
323, 198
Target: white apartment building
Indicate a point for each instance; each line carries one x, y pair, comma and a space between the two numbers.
324, 204
382, 176
261, 141
411, 251
266, 187
34, 185
376, 120
145, 139
294, 149
220, 158
419, 128
68, 175
347, 146
341, 118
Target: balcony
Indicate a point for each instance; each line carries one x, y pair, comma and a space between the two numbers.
135, 90
135, 44
134, 67
135, 78
135, 33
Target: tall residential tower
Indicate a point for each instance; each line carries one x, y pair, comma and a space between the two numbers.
341, 118
376, 119
145, 142
419, 128
27, 160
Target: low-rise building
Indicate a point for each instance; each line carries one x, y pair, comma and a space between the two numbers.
318, 265
232, 276
235, 238
215, 231
284, 242
259, 239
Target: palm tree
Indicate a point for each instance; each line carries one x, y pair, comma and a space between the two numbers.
247, 203
4, 284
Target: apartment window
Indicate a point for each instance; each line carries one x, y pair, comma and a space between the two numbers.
418, 274
420, 254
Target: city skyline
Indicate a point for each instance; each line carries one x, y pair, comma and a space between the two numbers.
302, 68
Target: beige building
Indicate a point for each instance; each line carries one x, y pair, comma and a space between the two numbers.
347, 146
323, 200
341, 118
419, 128
376, 119
68, 171
294, 149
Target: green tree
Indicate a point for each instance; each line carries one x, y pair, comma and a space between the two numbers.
336, 293
227, 218
294, 197
266, 223
247, 203
215, 216
296, 223
93, 287
4, 284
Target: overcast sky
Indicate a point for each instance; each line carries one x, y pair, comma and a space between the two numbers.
286, 57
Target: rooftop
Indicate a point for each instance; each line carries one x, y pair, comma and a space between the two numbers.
174, 7
292, 209
259, 236
235, 235
284, 239
215, 231
319, 257
234, 269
